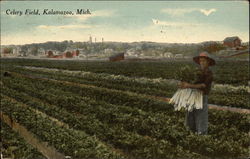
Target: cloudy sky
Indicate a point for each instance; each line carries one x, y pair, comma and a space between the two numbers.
126, 21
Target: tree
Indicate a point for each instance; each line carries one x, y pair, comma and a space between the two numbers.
213, 47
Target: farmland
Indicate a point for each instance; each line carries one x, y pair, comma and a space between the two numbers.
102, 110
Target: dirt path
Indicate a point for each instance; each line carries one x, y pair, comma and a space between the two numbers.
58, 122
213, 106
43, 147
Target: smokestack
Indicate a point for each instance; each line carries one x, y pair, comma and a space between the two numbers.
90, 39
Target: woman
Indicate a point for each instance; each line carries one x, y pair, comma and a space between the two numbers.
197, 120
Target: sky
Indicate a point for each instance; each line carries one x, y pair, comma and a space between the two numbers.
126, 21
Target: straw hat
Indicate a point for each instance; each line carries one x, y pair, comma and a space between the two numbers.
207, 56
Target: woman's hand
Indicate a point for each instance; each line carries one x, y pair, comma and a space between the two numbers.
184, 85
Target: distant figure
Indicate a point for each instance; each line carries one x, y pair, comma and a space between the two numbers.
6, 74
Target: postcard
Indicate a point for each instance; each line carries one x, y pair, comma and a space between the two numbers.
124, 79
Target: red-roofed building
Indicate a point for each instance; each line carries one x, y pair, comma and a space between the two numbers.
234, 41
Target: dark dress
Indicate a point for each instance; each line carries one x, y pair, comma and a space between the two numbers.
197, 120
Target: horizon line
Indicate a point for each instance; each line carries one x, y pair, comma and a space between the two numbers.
126, 42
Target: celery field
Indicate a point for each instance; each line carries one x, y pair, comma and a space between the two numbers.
100, 109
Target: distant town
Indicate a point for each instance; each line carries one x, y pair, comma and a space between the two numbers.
230, 47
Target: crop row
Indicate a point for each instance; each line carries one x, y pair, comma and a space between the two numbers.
108, 113
14, 146
139, 85
111, 133
238, 98
70, 142
225, 72
158, 83
111, 96
173, 134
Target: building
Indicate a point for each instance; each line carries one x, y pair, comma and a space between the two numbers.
76, 53
29, 51
130, 52
231, 42
16, 50
117, 57
68, 54
108, 51
168, 55
49, 53
179, 56
40, 51
6, 52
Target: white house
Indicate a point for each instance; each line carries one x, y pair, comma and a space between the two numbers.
168, 55
41, 51
108, 51
130, 52
17, 50
178, 55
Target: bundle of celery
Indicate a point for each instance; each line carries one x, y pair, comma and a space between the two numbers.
187, 98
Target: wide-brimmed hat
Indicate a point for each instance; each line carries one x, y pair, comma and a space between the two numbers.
207, 56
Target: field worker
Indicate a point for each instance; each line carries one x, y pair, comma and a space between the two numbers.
197, 120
